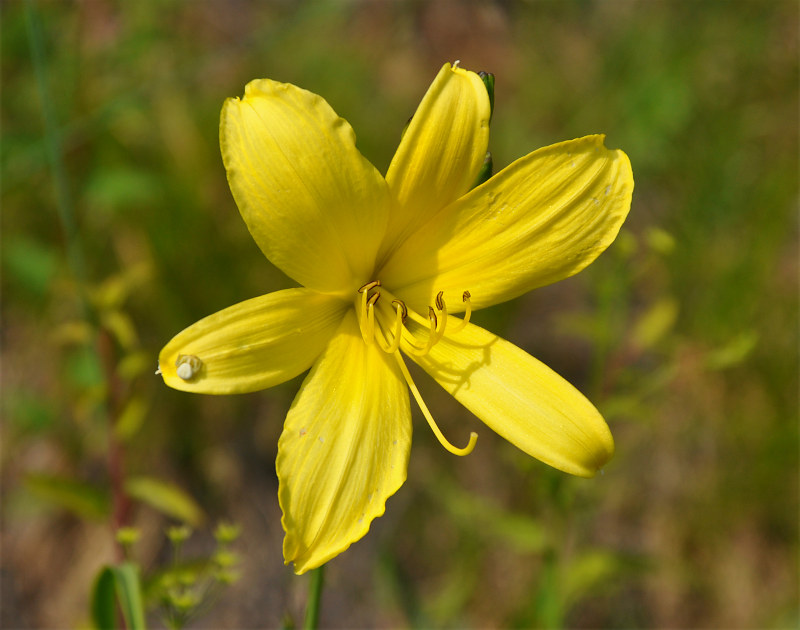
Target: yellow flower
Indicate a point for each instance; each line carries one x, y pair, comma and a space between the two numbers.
385, 263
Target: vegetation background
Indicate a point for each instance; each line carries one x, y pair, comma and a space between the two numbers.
118, 230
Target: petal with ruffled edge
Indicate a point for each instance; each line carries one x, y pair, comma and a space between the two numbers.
543, 218
316, 207
441, 152
521, 399
254, 344
344, 448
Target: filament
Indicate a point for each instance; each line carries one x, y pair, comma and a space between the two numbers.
394, 345
363, 317
390, 336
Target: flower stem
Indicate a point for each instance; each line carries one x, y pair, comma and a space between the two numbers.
314, 597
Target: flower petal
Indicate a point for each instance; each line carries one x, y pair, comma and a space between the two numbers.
543, 218
521, 399
254, 344
315, 206
441, 152
344, 448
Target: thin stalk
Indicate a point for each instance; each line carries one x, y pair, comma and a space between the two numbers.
314, 598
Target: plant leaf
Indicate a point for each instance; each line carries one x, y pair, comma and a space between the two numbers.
129, 592
167, 498
104, 610
114, 585
83, 499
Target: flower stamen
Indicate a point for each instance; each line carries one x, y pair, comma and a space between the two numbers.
370, 285
366, 321
371, 315
473, 437
390, 336
412, 347
467, 313
402, 305
394, 345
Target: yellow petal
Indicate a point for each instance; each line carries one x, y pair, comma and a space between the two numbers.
315, 206
521, 399
441, 152
252, 345
344, 448
543, 218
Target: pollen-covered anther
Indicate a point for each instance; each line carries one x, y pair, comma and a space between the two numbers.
366, 312
187, 366
369, 285
402, 306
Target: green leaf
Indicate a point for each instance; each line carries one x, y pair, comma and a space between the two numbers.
166, 498
114, 585
131, 419
83, 368
104, 609
30, 263
586, 572
655, 323
83, 499
126, 578
733, 353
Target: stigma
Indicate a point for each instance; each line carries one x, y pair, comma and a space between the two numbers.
382, 320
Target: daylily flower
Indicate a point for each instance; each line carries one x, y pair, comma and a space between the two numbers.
385, 264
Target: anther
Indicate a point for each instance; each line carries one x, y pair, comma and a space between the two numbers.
369, 285
467, 312
401, 305
439, 300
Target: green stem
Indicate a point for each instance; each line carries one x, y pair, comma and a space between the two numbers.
314, 597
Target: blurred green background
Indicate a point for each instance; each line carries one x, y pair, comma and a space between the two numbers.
118, 230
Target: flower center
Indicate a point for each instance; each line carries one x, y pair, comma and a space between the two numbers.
382, 321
